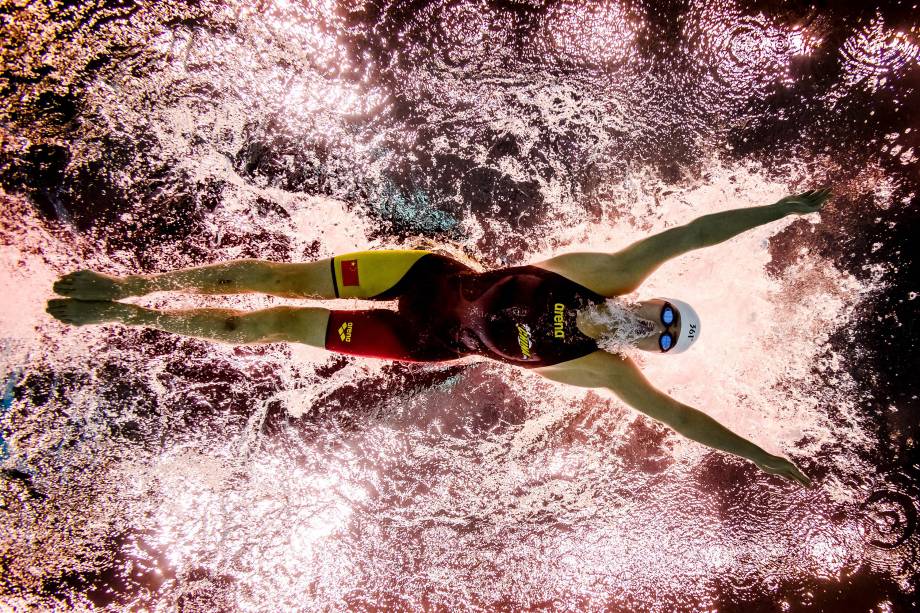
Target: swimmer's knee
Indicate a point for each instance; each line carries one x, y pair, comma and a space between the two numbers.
299, 279
305, 325
245, 328
254, 327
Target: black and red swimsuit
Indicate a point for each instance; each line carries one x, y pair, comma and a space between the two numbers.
523, 315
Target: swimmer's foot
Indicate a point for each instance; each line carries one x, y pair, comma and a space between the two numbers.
83, 312
89, 285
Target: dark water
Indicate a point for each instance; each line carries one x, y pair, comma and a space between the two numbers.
140, 469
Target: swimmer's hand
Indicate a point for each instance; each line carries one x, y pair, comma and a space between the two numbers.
776, 465
808, 202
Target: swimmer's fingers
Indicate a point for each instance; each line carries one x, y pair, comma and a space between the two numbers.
806, 202
794, 474
818, 197
782, 467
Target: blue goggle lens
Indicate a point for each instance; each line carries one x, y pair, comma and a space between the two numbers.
667, 316
665, 342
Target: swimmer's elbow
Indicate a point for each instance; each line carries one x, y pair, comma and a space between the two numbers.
659, 406
621, 376
635, 390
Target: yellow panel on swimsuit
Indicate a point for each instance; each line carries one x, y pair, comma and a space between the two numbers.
365, 274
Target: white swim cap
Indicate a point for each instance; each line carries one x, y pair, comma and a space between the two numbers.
689, 325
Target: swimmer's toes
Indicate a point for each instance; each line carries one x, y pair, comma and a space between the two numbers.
78, 312
64, 288
56, 309
89, 285
59, 315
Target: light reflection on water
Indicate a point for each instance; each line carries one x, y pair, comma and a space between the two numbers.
876, 53
173, 473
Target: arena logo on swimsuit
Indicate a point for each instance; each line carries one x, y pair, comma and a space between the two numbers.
524, 339
559, 320
345, 332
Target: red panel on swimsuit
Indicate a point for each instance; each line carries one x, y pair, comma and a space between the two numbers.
377, 333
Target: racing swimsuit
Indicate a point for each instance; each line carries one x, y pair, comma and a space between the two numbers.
522, 315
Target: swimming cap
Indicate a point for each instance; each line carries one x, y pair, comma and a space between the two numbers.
689, 325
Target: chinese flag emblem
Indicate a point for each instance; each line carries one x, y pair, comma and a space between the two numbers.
350, 272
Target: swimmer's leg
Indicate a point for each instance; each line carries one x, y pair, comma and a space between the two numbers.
624, 271
364, 274
380, 333
279, 324
287, 280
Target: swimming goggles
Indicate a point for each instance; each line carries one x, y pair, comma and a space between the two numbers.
667, 339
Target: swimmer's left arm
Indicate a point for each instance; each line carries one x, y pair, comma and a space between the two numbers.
621, 376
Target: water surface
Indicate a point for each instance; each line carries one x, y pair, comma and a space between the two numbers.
145, 470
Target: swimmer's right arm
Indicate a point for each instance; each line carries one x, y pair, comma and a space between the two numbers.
621, 376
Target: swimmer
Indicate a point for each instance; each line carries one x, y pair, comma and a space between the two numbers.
555, 317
